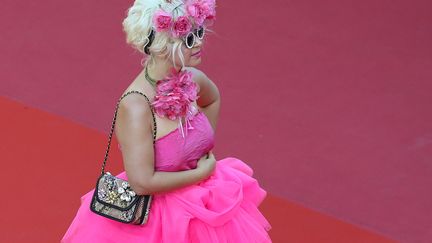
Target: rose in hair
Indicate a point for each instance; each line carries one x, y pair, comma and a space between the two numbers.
199, 11
181, 26
162, 20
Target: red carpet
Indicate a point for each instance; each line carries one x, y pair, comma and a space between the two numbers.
49, 162
328, 101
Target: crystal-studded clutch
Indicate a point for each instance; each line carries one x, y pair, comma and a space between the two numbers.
113, 197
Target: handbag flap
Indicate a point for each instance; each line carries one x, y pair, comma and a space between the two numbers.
115, 192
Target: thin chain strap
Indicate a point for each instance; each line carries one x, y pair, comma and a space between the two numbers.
114, 121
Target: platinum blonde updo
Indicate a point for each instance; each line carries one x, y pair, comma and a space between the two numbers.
138, 24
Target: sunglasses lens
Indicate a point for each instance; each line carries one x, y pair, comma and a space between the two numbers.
200, 32
190, 40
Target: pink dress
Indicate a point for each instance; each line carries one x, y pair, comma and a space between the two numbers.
222, 208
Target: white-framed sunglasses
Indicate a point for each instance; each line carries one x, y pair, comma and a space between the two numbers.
189, 39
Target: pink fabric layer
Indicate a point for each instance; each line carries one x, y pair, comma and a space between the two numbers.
223, 208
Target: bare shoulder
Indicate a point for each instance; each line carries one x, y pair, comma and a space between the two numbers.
135, 104
195, 71
208, 91
198, 76
135, 110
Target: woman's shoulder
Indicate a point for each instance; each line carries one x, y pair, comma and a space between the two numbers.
199, 77
197, 74
134, 101
136, 95
194, 70
141, 89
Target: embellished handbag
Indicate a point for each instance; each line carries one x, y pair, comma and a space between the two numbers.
113, 197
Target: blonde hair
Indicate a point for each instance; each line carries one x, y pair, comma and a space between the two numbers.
139, 21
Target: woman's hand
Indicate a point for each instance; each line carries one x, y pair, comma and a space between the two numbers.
206, 165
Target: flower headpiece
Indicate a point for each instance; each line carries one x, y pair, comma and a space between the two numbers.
198, 12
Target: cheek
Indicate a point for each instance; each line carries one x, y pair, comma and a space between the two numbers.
187, 53
187, 56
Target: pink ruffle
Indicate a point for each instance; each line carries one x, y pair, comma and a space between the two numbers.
222, 208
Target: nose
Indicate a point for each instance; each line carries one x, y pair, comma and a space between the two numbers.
198, 42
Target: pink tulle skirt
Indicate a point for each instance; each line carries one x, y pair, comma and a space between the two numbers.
222, 208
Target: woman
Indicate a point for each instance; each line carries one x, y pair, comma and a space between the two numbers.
195, 197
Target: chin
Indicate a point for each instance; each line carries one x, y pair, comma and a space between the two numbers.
195, 62
191, 62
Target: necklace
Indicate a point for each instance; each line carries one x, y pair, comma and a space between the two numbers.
149, 79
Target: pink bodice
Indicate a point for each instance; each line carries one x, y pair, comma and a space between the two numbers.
175, 153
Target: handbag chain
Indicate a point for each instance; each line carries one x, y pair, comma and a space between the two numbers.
114, 121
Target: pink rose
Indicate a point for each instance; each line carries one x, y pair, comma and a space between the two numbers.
199, 11
181, 26
212, 10
192, 10
211, 15
162, 21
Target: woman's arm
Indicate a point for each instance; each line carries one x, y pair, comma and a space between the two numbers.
135, 134
209, 97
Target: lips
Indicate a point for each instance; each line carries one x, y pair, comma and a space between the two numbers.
196, 53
